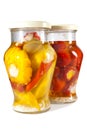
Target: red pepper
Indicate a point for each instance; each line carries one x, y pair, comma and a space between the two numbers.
64, 58
58, 85
44, 67
59, 46
35, 35
16, 86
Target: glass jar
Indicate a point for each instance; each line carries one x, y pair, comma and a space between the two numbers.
30, 63
69, 58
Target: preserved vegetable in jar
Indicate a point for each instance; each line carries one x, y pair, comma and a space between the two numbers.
30, 63
69, 58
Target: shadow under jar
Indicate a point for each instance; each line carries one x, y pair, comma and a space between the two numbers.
30, 63
69, 58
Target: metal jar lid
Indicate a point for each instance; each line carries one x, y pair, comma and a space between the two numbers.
30, 24
65, 27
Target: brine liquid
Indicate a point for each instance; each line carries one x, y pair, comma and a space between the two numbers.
30, 66
69, 58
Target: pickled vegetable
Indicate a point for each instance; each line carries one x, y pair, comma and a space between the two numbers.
18, 65
69, 58
30, 66
26, 99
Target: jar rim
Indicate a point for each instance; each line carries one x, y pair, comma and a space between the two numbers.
29, 24
65, 27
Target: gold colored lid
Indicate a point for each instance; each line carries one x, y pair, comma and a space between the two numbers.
64, 27
30, 24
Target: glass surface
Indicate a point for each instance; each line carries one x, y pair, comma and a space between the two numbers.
30, 62
69, 59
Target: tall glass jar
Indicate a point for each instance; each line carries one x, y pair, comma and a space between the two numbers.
69, 59
30, 63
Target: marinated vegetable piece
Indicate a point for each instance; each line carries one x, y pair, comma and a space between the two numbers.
32, 42
64, 58
49, 53
18, 65
33, 35
70, 74
26, 99
44, 67
59, 46
18, 87
32, 46
36, 36
46, 54
42, 87
69, 58
59, 85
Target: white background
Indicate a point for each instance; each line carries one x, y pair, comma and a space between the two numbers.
63, 117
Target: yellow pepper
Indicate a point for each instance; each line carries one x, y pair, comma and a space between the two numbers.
18, 65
